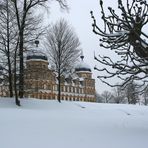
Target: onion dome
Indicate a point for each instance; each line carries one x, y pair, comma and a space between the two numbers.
36, 54
82, 66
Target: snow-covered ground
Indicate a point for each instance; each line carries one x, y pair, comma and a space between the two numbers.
49, 124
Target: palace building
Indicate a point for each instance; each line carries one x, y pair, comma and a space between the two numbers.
40, 81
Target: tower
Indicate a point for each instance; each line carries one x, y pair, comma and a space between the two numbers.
39, 78
83, 70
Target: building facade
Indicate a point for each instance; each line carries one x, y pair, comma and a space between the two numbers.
41, 81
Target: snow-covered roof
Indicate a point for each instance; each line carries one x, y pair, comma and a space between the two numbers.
82, 66
35, 54
81, 79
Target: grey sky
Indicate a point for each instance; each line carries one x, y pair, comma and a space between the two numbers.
79, 17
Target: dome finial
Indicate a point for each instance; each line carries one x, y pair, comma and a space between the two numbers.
37, 43
82, 56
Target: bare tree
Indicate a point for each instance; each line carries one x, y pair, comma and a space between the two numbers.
8, 35
22, 9
145, 96
9, 42
131, 92
18, 26
107, 96
118, 95
99, 98
63, 47
123, 33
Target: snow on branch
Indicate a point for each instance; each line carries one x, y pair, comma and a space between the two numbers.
123, 33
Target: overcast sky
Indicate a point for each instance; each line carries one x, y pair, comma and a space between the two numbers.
79, 17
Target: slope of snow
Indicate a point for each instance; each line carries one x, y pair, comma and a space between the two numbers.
49, 124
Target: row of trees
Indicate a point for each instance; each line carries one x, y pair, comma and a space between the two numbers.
20, 25
128, 95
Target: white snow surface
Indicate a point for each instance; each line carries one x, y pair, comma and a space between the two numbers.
49, 124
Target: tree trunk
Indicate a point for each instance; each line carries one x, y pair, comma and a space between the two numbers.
59, 88
10, 78
145, 100
17, 101
21, 69
21, 25
8, 54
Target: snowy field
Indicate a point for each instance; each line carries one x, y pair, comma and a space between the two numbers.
49, 124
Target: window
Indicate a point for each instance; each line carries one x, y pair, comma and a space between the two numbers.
65, 88
77, 90
69, 89
61, 88
82, 91
82, 83
48, 87
73, 89
44, 86
55, 87
66, 98
44, 66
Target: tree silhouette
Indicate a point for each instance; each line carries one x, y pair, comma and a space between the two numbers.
22, 10
63, 48
123, 33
